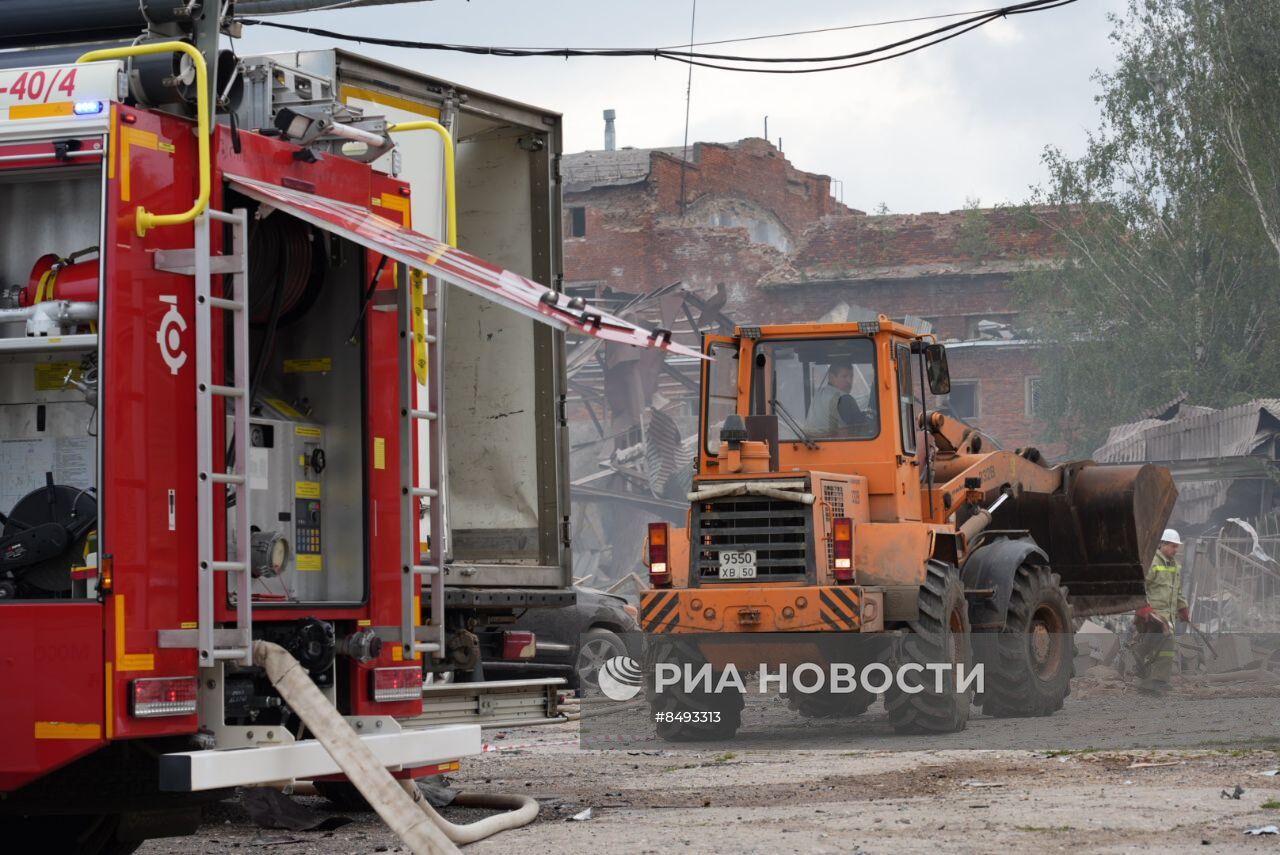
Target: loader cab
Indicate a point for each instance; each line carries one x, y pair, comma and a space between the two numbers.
846, 399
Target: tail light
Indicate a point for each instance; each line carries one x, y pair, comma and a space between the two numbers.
396, 684
153, 697
659, 570
106, 573
519, 644
842, 541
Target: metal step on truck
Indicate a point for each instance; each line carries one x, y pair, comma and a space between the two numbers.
281, 360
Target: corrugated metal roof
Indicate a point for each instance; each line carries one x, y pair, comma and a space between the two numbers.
1196, 433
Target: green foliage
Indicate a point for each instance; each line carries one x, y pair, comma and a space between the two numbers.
1169, 221
973, 235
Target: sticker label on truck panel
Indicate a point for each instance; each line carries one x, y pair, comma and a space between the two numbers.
308, 366
308, 562
259, 468
50, 376
306, 489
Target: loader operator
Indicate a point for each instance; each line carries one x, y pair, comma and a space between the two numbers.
833, 411
1155, 620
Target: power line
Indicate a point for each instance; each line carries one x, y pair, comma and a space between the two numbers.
836, 29
688, 101
892, 50
339, 4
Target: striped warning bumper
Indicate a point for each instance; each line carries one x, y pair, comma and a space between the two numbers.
815, 609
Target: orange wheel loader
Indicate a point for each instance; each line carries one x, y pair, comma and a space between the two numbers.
834, 497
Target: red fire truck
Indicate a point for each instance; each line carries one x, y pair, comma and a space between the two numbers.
221, 399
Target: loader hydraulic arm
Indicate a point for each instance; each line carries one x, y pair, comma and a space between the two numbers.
988, 480
952, 436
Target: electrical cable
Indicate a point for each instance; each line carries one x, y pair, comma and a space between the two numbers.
868, 56
836, 29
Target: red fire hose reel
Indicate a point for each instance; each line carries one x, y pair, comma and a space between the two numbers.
72, 278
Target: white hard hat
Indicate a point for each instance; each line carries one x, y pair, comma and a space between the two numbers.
1170, 536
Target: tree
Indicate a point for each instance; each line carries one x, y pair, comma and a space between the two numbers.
1169, 224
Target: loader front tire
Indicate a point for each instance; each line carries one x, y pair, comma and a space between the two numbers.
681, 715
1029, 664
939, 634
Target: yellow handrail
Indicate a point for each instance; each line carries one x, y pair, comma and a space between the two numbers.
450, 184
144, 219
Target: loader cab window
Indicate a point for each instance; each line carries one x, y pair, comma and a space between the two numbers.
722, 391
908, 404
820, 389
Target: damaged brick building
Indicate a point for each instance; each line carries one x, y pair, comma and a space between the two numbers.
760, 241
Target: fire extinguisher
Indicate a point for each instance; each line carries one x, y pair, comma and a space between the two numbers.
72, 278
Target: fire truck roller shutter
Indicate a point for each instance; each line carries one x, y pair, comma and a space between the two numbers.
455, 266
38, 22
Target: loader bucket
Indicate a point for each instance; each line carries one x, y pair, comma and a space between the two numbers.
1100, 531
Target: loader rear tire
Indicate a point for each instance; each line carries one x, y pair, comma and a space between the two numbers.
1029, 664
939, 634
689, 716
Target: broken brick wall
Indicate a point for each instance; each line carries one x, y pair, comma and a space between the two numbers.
790, 253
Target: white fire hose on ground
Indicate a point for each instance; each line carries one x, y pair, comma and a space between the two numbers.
423, 830
521, 810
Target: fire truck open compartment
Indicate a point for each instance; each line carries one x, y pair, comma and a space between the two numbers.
308, 419
48, 415
506, 496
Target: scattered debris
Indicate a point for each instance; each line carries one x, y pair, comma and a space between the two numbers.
583, 816
437, 795
1263, 829
1155, 765
1270, 773
979, 784
1234, 794
270, 808
278, 841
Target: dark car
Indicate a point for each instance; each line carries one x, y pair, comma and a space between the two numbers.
574, 641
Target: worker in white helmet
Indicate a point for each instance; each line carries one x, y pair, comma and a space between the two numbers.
1156, 619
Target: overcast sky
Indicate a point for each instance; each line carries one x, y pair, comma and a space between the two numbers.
967, 119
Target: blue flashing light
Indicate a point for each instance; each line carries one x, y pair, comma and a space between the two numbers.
88, 108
